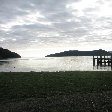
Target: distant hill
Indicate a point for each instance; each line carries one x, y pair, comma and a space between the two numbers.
80, 53
5, 53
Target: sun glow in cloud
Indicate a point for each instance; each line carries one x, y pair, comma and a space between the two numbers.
105, 10
79, 7
40, 52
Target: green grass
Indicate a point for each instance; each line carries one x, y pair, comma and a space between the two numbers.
43, 84
77, 91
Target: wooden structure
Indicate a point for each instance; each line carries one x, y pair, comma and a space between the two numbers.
101, 60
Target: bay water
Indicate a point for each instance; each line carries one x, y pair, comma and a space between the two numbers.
51, 64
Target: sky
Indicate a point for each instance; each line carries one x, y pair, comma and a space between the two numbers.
35, 28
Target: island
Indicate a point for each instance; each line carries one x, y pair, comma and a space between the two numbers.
80, 53
5, 53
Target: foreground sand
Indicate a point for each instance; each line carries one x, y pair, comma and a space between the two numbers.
56, 92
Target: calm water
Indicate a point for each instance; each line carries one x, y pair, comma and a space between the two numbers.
50, 64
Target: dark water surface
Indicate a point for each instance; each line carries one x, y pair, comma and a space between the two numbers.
50, 64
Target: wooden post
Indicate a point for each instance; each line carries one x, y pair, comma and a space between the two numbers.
97, 61
100, 60
104, 61
111, 61
108, 61
93, 61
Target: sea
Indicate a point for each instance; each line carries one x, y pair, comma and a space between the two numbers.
51, 64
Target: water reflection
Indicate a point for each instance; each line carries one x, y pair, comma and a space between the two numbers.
102, 68
3, 62
75, 63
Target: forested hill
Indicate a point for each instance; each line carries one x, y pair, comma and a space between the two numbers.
80, 53
5, 53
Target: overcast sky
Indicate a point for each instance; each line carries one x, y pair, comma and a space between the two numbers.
40, 27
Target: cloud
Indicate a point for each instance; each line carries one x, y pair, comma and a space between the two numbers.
67, 23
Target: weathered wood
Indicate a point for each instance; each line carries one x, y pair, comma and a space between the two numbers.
93, 61
102, 60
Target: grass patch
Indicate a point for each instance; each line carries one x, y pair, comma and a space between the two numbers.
77, 91
44, 84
